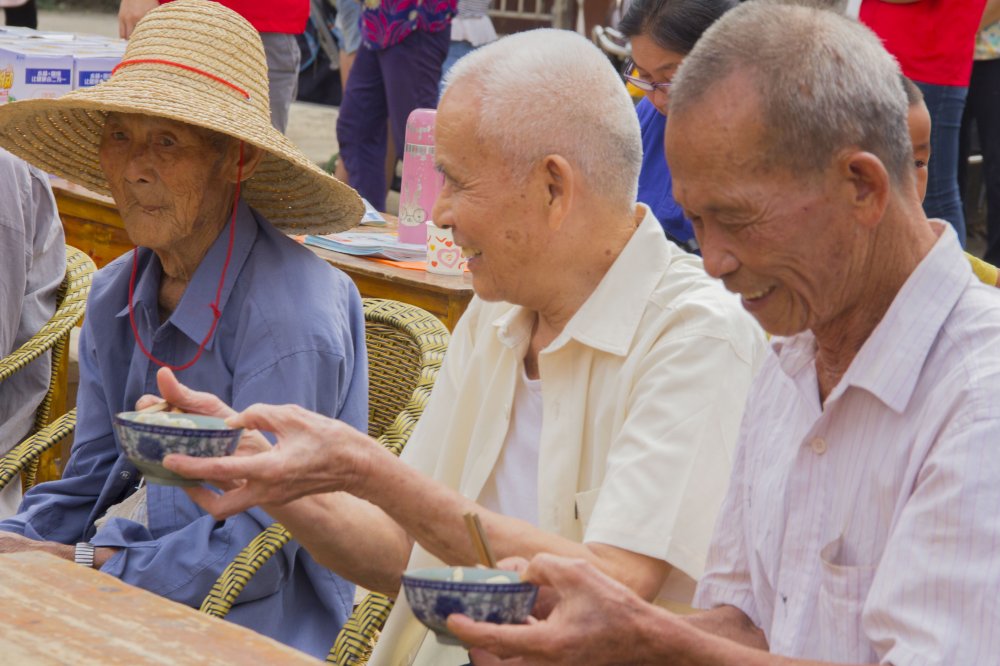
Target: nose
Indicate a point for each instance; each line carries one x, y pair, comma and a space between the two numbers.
138, 166
718, 258
659, 97
441, 214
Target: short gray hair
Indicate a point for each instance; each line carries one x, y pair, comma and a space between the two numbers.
825, 82
547, 92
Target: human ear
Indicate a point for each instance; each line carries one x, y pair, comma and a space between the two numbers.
560, 181
252, 156
867, 184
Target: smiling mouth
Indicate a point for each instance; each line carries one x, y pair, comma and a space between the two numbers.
752, 296
470, 252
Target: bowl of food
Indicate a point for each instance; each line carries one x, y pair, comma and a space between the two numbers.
485, 595
147, 437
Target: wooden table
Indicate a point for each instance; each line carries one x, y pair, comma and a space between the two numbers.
53, 611
444, 296
92, 224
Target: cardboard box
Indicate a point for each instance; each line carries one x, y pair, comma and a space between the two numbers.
31, 71
93, 64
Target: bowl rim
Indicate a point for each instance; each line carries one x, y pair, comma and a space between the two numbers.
159, 429
412, 578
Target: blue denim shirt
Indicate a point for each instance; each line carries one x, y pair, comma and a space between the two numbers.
291, 331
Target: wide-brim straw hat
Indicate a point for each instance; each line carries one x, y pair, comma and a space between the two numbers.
180, 63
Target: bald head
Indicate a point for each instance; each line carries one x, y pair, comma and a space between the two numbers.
545, 92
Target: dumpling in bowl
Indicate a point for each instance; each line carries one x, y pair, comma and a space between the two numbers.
165, 419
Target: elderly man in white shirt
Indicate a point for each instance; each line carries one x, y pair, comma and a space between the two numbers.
591, 395
32, 264
861, 523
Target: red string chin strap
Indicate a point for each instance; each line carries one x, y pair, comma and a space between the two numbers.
216, 314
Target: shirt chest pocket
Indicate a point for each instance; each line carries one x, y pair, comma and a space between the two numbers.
843, 591
584, 504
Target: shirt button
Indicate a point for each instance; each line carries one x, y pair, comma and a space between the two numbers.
818, 445
125, 476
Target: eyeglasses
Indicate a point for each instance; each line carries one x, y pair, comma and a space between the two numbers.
641, 84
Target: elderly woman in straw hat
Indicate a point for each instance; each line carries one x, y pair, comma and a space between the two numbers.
180, 136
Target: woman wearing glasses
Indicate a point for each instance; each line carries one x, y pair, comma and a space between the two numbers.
662, 33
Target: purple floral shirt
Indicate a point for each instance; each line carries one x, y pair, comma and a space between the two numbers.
385, 23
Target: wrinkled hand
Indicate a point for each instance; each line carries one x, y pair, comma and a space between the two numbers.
185, 399
594, 622
198, 402
313, 454
547, 596
129, 13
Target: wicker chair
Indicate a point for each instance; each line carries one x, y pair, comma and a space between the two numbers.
405, 349
54, 335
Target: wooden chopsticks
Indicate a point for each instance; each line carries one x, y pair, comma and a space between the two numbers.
479, 540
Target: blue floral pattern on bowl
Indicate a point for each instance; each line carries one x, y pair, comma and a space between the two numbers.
145, 444
433, 596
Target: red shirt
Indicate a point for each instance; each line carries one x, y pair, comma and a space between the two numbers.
933, 40
288, 16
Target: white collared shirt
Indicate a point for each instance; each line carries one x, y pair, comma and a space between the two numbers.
642, 394
868, 529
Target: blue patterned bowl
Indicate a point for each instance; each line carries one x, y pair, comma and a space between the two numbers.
145, 444
433, 595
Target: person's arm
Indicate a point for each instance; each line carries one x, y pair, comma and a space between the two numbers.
33, 258
130, 12
184, 551
991, 14
731, 623
350, 536
11, 542
598, 621
432, 515
182, 565
318, 456
666, 441
58, 510
15, 235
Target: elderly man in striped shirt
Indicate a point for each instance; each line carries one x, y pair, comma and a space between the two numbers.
863, 517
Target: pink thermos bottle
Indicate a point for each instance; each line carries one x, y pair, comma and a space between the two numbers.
421, 183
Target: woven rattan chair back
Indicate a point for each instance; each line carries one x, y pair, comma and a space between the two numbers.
71, 301
405, 348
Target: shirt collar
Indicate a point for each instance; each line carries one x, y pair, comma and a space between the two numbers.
890, 361
610, 316
888, 365
193, 316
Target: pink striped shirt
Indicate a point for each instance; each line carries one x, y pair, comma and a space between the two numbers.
868, 529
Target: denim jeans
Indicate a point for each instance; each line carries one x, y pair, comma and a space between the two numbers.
983, 109
945, 104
